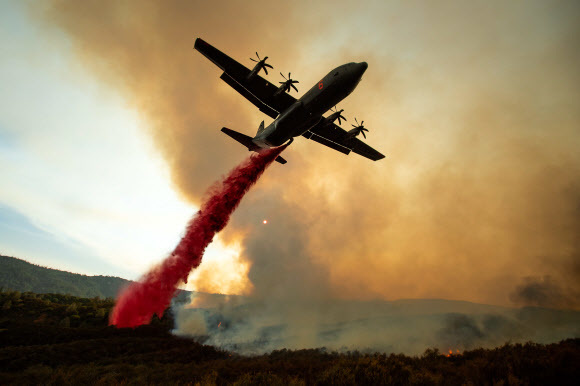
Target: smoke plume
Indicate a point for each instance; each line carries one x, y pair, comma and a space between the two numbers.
474, 104
543, 292
255, 326
152, 294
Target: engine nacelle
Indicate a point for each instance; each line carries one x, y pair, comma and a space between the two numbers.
328, 121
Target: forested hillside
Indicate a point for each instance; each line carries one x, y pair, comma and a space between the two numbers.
20, 275
60, 339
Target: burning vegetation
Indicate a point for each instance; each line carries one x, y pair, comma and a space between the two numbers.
451, 353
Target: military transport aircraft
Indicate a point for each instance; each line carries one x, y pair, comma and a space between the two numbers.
294, 117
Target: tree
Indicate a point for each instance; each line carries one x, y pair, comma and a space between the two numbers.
72, 309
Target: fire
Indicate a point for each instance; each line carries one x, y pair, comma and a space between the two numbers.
265, 222
220, 323
152, 294
457, 352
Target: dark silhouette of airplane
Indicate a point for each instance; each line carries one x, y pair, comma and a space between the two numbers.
294, 117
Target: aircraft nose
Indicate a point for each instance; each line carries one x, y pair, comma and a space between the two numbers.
363, 67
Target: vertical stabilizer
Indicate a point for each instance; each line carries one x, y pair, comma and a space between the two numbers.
260, 129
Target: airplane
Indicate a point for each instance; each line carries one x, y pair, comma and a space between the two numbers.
294, 117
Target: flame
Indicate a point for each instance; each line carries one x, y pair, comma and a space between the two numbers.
153, 293
220, 323
451, 353
265, 221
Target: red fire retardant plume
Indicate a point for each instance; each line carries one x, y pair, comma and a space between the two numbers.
152, 294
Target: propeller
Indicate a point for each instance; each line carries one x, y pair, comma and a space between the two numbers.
261, 63
289, 83
358, 129
336, 115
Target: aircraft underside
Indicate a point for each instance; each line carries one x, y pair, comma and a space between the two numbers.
292, 117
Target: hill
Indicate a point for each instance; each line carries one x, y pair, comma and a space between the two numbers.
20, 275
61, 339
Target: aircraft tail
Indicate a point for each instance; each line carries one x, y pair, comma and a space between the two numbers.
261, 128
246, 140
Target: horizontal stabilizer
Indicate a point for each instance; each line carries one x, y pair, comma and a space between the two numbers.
245, 140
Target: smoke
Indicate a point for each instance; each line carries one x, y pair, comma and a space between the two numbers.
543, 292
293, 303
152, 294
255, 326
475, 106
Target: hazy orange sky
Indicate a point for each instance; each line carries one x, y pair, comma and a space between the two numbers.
475, 104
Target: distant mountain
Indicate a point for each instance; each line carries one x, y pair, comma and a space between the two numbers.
20, 275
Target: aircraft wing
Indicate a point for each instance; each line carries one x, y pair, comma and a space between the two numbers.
336, 138
257, 90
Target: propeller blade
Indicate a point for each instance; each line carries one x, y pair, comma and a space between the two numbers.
265, 70
282, 76
294, 87
338, 114
267, 65
253, 60
363, 133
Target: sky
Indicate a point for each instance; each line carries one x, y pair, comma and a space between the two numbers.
109, 137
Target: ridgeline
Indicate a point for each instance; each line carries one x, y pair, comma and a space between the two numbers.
22, 276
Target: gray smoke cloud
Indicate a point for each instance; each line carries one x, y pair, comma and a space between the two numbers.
543, 292
251, 326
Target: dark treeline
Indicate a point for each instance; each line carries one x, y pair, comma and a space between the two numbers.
61, 339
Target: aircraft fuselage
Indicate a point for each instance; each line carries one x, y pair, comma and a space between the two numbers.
307, 111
